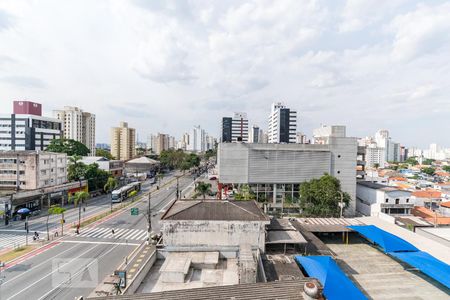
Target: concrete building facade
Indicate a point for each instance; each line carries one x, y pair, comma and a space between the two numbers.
27, 129
374, 198
78, 125
276, 171
235, 129
123, 140
30, 170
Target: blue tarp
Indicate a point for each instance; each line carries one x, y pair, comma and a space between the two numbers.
386, 240
336, 285
426, 263
404, 251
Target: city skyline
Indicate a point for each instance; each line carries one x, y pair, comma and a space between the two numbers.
364, 65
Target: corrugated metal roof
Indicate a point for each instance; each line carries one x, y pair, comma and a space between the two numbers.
215, 210
327, 224
286, 290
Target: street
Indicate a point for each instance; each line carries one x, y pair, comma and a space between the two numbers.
73, 265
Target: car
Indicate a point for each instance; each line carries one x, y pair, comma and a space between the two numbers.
212, 178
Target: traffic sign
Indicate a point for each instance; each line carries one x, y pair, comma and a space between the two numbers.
134, 211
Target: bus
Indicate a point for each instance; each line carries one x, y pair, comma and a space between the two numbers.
124, 192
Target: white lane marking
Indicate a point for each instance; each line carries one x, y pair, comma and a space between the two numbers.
99, 233
142, 236
42, 278
101, 243
89, 232
80, 270
120, 235
135, 234
38, 265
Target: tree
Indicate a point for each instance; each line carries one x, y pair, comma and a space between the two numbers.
96, 177
203, 188
110, 185
56, 210
104, 153
76, 169
321, 197
428, 162
376, 165
429, 171
245, 193
70, 147
78, 199
446, 168
412, 161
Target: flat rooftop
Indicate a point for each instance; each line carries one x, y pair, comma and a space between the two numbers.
378, 275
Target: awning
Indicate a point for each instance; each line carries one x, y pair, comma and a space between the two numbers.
386, 240
427, 264
336, 285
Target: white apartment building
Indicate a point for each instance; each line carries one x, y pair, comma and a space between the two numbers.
30, 170
375, 155
197, 140
78, 125
282, 124
255, 135
235, 129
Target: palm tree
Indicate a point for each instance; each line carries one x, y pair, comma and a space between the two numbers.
56, 210
78, 199
203, 188
110, 185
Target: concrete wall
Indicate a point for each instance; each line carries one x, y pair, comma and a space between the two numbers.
212, 235
370, 201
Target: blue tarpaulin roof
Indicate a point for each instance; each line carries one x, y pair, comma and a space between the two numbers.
336, 285
426, 263
386, 240
404, 251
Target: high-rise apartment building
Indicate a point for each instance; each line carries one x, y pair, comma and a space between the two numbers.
78, 125
235, 129
123, 140
282, 124
27, 129
255, 134
197, 140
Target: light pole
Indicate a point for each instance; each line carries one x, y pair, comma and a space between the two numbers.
178, 189
149, 219
341, 204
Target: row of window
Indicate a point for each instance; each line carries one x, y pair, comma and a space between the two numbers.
6, 182
12, 172
397, 200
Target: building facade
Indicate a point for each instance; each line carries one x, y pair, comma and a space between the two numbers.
30, 170
78, 125
274, 172
114, 167
235, 129
374, 198
27, 129
282, 124
123, 140
197, 140
255, 134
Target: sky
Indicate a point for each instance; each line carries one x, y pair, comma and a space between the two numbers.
165, 66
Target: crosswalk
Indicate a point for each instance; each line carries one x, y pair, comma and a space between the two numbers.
119, 233
12, 240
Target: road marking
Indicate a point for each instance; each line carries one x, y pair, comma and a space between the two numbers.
100, 242
80, 270
42, 278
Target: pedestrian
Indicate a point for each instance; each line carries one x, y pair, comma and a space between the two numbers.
112, 231
78, 229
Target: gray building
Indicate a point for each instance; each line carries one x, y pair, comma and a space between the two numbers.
235, 129
275, 171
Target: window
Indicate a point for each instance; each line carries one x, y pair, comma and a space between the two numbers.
407, 200
339, 172
397, 201
387, 200
339, 156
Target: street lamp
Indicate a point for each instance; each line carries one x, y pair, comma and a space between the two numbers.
341, 203
149, 219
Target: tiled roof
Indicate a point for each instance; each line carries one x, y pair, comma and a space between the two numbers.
427, 194
430, 215
446, 204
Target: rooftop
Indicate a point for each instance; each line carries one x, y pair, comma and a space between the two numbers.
446, 204
430, 215
143, 160
374, 185
327, 224
427, 194
214, 210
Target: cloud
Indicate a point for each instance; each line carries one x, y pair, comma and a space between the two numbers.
24, 81
421, 31
131, 110
6, 20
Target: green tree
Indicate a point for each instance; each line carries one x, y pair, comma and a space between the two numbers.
446, 168
70, 147
376, 165
412, 161
428, 162
245, 193
203, 188
104, 153
429, 171
78, 199
321, 197
110, 185
56, 210
96, 177
76, 168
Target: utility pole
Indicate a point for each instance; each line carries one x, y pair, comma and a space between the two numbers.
178, 189
341, 204
149, 219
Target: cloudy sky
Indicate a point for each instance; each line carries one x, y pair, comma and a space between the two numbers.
165, 66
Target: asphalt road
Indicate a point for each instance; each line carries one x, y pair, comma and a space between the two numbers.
76, 264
